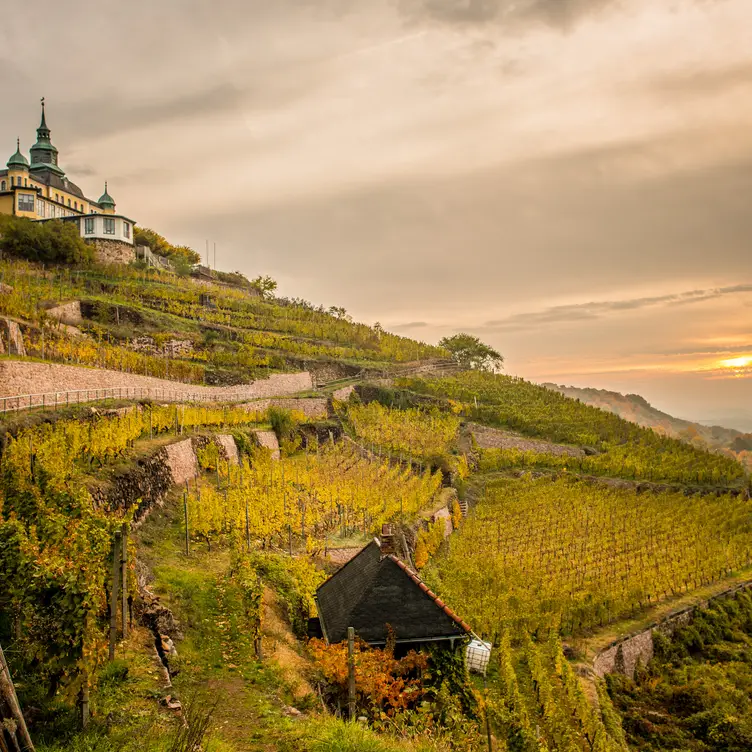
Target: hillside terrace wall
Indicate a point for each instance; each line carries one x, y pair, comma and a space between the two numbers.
67, 313
113, 251
623, 656
494, 438
148, 481
314, 408
20, 377
11, 339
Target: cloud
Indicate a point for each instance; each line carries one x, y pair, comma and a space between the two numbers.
106, 113
567, 314
409, 325
557, 13
703, 82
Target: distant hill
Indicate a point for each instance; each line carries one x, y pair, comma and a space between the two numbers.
637, 409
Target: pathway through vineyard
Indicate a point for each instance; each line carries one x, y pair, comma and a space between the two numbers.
215, 658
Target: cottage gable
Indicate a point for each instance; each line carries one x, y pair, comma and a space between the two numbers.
374, 590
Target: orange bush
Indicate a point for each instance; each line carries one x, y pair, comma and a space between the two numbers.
383, 683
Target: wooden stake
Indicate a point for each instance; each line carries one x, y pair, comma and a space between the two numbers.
185, 513
124, 580
114, 594
8, 698
85, 702
247, 527
351, 673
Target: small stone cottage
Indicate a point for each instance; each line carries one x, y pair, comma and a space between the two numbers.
376, 591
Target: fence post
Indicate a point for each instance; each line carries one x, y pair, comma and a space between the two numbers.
247, 527
351, 673
124, 580
185, 513
9, 698
85, 701
114, 594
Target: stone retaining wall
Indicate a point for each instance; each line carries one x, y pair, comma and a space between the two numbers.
11, 339
268, 440
113, 251
343, 393
149, 480
19, 377
314, 408
67, 313
228, 447
494, 438
623, 656
181, 459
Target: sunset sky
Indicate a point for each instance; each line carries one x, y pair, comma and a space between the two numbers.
571, 180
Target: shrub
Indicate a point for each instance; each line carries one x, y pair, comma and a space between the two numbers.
283, 423
54, 242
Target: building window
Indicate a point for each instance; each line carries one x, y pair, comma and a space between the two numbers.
126, 230
2, 186
57, 197
25, 203
109, 226
89, 226
25, 183
40, 207
69, 203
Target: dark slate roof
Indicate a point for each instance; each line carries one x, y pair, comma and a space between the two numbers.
372, 591
55, 181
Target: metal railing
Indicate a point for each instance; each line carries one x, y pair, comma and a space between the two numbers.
79, 396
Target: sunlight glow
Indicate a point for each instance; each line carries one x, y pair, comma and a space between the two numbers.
743, 362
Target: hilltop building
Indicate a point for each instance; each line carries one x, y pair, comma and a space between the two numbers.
38, 188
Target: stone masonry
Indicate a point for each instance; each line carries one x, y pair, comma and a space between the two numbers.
623, 656
493, 438
11, 340
113, 252
182, 461
314, 408
20, 377
228, 447
67, 313
268, 440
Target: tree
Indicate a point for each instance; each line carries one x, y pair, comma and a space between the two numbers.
54, 241
160, 245
470, 352
265, 285
340, 313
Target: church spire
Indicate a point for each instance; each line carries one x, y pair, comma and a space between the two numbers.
43, 132
43, 153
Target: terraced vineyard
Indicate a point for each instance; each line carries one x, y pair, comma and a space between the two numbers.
546, 553
234, 335
617, 448
310, 496
418, 433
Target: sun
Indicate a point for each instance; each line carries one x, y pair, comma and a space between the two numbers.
743, 362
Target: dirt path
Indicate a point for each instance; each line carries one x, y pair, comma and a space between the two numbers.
280, 645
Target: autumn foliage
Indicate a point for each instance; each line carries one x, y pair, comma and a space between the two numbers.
384, 684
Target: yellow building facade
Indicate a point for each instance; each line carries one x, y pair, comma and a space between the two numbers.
39, 189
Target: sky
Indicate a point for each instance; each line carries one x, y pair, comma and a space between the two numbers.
570, 180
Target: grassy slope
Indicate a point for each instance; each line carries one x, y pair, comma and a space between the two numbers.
217, 668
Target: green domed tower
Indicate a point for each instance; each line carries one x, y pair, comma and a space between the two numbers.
43, 153
18, 161
106, 202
